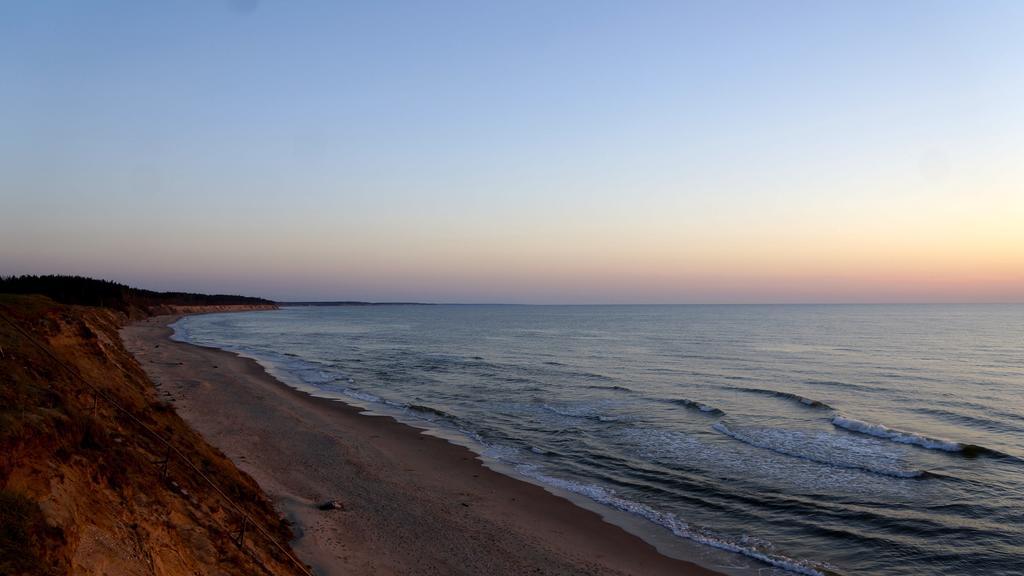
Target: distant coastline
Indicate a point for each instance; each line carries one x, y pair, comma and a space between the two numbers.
354, 303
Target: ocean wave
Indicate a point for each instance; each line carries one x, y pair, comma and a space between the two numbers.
516, 379
430, 411
613, 387
699, 406
822, 448
310, 372
360, 395
591, 376
882, 431
181, 331
986, 423
847, 385
788, 396
440, 358
891, 434
707, 455
315, 376
446, 363
587, 411
745, 545
500, 452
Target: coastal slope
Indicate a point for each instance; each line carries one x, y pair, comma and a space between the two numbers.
84, 488
410, 503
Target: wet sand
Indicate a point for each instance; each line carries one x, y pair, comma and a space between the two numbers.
412, 503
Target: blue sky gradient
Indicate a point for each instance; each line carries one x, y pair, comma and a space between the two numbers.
518, 152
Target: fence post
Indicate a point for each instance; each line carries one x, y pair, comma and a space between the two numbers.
166, 461
241, 533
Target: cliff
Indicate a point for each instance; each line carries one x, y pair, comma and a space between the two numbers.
162, 309
83, 487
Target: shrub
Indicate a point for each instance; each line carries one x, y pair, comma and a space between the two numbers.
22, 534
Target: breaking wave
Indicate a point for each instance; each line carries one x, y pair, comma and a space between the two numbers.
360, 395
700, 406
788, 396
747, 546
882, 431
822, 448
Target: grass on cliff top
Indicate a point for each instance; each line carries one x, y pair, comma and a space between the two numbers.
24, 305
78, 290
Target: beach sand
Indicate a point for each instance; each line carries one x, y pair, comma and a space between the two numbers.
413, 503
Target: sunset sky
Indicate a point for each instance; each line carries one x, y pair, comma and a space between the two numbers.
534, 152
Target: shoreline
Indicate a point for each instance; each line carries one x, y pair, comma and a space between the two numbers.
414, 503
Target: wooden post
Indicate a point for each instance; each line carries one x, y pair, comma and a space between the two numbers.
241, 533
166, 461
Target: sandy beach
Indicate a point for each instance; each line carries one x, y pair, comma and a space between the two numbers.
412, 503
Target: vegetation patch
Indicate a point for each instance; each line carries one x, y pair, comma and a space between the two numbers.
23, 536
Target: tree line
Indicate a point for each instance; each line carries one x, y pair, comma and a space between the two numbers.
92, 292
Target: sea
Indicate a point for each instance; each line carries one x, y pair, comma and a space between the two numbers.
806, 439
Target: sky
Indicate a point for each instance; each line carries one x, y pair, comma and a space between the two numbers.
520, 152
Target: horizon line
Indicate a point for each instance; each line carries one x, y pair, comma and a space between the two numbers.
355, 303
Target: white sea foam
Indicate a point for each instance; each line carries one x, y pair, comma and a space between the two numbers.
747, 546
315, 376
882, 431
740, 460
823, 448
697, 405
364, 396
508, 454
181, 331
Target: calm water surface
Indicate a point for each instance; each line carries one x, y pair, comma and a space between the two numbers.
807, 439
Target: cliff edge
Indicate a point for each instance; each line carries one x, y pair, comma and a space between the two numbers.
97, 476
